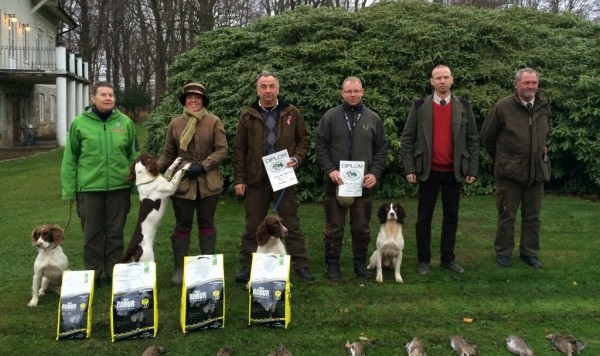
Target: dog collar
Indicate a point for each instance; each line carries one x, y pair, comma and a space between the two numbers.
147, 181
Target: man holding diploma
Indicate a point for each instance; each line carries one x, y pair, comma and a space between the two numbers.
349, 132
268, 126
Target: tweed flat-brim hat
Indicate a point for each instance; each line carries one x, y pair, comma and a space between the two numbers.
194, 88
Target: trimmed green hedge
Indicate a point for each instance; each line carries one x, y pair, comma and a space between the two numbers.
392, 47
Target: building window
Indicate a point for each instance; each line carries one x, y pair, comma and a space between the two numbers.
52, 109
38, 50
50, 53
25, 111
41, 108
12, 39
26, 48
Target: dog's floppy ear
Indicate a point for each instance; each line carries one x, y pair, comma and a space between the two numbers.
400, 213
131, 176
58, 234
151, 165
382, 214
262, 235
34, 232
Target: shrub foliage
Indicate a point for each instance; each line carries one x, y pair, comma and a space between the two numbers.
392, 47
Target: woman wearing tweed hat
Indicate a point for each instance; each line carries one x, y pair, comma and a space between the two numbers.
198, 137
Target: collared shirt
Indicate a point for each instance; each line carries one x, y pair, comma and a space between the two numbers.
527, 102
270, 109
437, 99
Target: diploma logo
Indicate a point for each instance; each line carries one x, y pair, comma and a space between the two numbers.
277, 166
351, 174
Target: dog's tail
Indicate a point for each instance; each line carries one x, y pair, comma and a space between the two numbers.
132, 254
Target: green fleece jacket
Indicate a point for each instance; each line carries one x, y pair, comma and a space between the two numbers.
98, 154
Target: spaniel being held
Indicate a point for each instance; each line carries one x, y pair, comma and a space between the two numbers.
50, 262
390, 241
269, 234
153, 189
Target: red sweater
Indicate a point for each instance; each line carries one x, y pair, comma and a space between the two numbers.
443, 148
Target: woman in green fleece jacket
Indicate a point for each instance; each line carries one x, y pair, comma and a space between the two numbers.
100, 147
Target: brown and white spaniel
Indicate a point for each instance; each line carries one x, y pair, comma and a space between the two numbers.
50, 262
269, 234
390, 241
154, 190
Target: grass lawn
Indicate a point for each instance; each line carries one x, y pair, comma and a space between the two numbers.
561, 297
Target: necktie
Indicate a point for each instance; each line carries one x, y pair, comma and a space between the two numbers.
443, 102
529, 108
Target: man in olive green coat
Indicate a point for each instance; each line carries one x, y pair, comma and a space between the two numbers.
514, 134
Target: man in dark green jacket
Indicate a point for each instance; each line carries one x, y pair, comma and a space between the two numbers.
349, 132
514, 134
440, 150
99, 150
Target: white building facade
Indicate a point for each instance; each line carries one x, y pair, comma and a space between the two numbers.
43, 86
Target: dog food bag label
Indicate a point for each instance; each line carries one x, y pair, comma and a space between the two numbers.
134, 307
203, 293
269, 290
75, 305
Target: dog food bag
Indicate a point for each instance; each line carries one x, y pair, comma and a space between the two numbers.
203, 293
269, 290
134, 307
75, 305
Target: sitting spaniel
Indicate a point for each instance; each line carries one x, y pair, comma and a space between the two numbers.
153, 189
390, 242
50, 262
269, 234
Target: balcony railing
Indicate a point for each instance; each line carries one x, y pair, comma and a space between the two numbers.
28, 58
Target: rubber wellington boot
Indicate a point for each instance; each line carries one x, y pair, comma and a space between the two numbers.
360, 265
207, 243
180, 250
332, 262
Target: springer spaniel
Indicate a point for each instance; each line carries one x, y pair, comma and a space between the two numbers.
154, 189
390, 241
50, 262
269, 234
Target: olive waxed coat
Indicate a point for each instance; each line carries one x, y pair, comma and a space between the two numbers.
516, 140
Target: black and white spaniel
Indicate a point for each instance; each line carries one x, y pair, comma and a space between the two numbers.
390, 242
154, 190
269, 234
50, 262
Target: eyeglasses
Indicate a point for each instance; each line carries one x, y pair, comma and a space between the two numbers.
355, 91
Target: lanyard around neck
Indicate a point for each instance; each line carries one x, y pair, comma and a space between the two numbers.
350, 127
